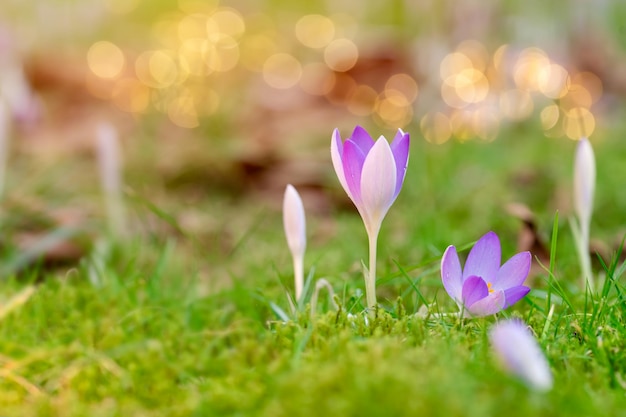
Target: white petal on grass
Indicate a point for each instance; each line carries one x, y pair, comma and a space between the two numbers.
378, 183
584, 180
520, 354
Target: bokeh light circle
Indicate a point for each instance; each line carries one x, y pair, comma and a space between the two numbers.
282, 71
315, 31
341, 55
105, 59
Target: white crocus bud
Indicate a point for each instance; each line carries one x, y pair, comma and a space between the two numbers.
295, 231
109, 161
584, 185
584, 181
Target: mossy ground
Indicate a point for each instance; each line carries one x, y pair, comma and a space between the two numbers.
180, 322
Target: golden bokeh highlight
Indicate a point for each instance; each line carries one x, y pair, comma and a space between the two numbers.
317, 79
435, 127
452, 64
105, 59
476, 53
470, 85
225, 21
578, 122
130, 95
282, 71
392, 109
315, 31
192, 55
182, 111
516, 105
480, 90
343, 87
528, 71
451, 97
205, 49
590, 82
498, 59
157, 69
255, 50
403, 84
362, 101
577, 96
486, 123
341, 55
165, 32
549, 116
553, 81
222, 53
193, 26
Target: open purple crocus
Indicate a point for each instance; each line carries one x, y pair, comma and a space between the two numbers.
483, 287
371, 172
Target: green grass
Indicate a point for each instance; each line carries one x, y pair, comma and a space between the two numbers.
181, 321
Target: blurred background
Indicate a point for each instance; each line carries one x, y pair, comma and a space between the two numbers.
241, 97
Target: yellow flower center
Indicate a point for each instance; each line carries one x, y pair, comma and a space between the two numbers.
489, 287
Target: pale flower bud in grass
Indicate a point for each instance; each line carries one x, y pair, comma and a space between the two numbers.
520, 354
584, 185
24, 105
295, 231
109, 162
584, 180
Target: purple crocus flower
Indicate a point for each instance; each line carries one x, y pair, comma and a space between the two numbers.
483, 287
371, 172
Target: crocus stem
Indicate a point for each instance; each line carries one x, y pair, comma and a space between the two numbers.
298, 270
370, 281
585, 258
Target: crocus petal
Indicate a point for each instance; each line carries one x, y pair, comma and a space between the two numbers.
451, 273
489, 305
353, 160
362, 139
378, 183
520, 354
474, 289
584, 180
400, 150
336, 154
294, 221
514, 294
513, 272
484, 258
